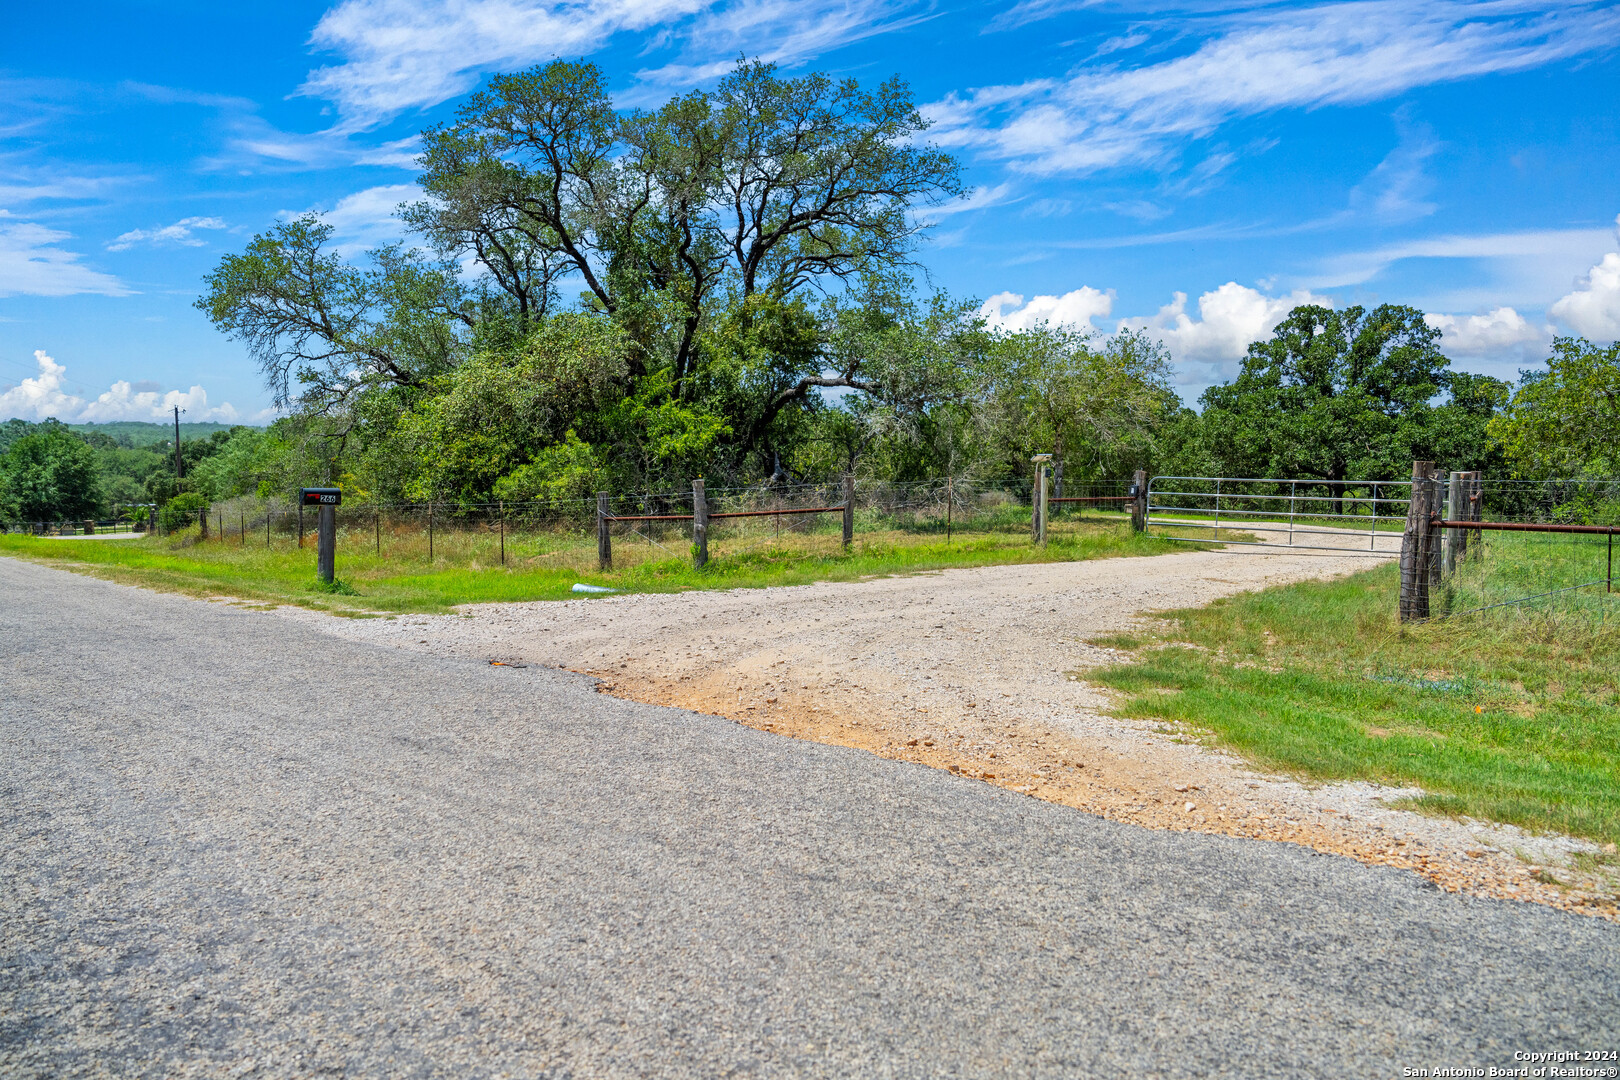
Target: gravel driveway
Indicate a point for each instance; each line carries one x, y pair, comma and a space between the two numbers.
234, 845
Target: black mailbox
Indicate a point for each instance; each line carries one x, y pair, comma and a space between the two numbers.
320, 496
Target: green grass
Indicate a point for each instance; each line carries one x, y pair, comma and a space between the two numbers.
544, 565
1513, 719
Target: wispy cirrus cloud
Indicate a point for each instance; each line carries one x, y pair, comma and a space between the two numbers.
182, 233
399, 55
1103, 116
365, 219
33, 263
1358, 267
786, 32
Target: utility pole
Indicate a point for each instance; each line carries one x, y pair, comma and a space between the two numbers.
179, 469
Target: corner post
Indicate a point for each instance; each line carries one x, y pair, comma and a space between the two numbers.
1414, 598
700, 526
604, 538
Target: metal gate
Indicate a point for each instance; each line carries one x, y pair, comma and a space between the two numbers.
1353, 517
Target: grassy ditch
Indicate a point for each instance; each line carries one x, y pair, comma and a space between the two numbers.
1513, 719
466, 569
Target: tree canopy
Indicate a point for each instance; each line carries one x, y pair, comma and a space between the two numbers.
1347, 394
596, 297
49, 475
1565, 421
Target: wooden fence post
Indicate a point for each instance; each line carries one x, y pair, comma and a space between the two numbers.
1451, 537
1037, 500
1476, 508
202, 524
1460, 509
502, 510
849, 509
1139, 502
604, 538
1414, 597
1436, 534
700, 526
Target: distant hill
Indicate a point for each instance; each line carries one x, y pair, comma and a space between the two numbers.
140, 433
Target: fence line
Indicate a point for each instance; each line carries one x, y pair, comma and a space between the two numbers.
1449, 569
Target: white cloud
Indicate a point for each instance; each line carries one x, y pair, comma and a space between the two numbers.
1229, 319
31, 264
1104, 116
1077, 309
43, 396
1503, 334
178, 233
1593, 309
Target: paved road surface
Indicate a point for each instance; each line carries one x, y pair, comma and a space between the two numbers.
237, 846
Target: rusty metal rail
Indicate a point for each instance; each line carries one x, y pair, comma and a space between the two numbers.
1095, 498
1531, 526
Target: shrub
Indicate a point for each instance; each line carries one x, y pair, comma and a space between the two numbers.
181, 510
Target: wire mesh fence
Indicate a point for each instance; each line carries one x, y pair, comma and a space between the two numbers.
743, 522
1541, 551
1550, 562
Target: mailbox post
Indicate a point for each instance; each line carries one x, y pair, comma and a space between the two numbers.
328, 499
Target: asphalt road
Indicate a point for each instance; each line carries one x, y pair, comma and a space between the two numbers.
236, 846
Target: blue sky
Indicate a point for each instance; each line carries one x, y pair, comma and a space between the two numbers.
1194, 169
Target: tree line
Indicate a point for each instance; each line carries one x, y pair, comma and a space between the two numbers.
726, 286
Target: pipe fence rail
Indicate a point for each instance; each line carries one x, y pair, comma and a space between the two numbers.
1271, 512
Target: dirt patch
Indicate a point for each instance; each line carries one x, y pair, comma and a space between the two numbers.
981, 672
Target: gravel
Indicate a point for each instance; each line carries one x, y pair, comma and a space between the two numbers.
982, 671
237, 846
